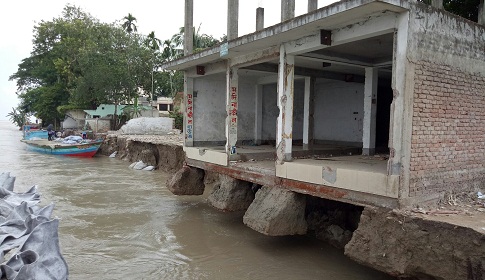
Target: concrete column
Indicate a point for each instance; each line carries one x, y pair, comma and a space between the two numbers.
437, 4
189, 111
312, 5
258, 114
308, 109
232, 19
231, 107
277, 212
231, 194
287, 9
284, 125
259, 19
481, 13
188, 27
370, 111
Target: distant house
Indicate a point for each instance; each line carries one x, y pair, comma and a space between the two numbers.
104, 111
74, 119
100, 119
164, 105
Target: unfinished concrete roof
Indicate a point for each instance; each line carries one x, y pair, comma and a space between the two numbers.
335, 16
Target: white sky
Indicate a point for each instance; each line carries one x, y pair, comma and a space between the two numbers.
163, 16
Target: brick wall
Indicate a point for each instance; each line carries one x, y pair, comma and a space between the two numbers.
448, 134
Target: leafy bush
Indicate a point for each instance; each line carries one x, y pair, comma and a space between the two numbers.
178, 119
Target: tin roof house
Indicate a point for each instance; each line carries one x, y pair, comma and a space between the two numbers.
374, 102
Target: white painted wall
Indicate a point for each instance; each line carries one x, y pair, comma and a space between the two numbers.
270, 111
245, 113
210, 108
335, 104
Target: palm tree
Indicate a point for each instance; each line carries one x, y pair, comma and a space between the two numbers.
153, 43
129, 24
18, 117
201, 41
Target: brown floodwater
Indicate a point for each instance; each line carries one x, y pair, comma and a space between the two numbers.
118, 223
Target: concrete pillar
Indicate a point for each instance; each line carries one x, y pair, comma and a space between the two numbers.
481, 13
188, 27
370, 111
258, 114
277, 212
231, 194
312, 5
438, 4
259, 19
231, 107
287, 9
232, 19
284, 125
189, 111
400, 129
308, 109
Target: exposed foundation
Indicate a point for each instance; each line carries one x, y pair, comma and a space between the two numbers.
398, 242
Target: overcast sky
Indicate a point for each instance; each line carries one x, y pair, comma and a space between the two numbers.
165, 17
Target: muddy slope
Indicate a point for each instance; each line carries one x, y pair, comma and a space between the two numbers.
164, 152
413, 247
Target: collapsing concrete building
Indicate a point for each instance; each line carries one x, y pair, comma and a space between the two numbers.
363, 101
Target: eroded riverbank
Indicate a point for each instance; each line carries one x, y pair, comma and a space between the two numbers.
427, 245
119, 223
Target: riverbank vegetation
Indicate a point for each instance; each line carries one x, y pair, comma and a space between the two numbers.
78, 62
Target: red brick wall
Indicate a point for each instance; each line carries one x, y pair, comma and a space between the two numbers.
448, 134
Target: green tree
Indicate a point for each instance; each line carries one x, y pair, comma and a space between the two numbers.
201, 41
79, 62
153, 43
129, 23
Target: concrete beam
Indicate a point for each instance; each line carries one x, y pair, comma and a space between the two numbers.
261, 177
232, 104
188, 27
370, 111
257, 57
284, 125
308, 109
258, 114
304, 44
259, 19
374, 26
481, 13
189, 111
287, 9
307, 72
312, 5
232, 19
210, 69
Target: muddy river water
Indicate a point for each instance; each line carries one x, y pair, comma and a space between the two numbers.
118, 223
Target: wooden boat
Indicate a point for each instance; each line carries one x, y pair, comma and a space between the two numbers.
37, 141
87, 148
